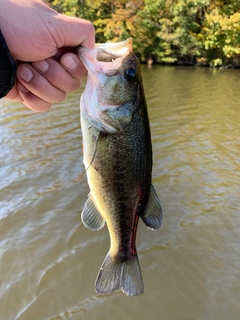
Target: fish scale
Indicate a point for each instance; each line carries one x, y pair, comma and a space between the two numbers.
118, 160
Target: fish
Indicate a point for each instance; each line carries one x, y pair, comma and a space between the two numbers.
117, 154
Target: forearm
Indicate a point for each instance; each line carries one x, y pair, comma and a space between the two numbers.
8, 37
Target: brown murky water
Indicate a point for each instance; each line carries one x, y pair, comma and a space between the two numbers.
191, 266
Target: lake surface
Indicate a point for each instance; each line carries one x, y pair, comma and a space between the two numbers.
191, 265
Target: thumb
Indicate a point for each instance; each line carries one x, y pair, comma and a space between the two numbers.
76, 32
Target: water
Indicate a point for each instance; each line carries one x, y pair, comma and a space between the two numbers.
191, 266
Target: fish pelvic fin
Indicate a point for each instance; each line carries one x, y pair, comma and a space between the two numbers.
91, 217
152, 215
114, 275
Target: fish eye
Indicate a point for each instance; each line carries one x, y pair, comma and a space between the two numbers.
130, 74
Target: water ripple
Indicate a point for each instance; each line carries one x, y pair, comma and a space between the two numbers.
49, 261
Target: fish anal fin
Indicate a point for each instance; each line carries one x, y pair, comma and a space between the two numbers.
91, 217
152, 215
114, 275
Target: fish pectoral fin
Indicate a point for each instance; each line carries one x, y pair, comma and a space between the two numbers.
91, 217
152, 215
115, 274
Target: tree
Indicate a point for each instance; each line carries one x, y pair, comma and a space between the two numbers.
147, 25
166, 31
221, 34
180, 27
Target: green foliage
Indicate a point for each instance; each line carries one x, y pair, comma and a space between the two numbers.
99, 13
221, 37
68, 7
147, 24
179, 30
166, 31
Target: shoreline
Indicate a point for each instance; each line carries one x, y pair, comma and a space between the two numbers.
199, 65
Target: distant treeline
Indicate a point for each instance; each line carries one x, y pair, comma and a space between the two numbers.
204, 32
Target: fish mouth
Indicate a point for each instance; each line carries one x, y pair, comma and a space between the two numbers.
105, 57
107, 52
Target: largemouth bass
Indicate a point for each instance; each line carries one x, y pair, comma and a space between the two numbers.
118, 160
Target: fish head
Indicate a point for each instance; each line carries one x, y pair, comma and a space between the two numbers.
110, 96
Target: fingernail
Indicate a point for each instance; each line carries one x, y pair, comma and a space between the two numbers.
69, 63
41, 65
25, 73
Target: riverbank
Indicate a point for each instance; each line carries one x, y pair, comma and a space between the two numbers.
200, 64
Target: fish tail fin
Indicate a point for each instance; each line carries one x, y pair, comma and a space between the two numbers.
115, 274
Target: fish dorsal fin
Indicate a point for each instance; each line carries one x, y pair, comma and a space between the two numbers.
152, 215
91, 217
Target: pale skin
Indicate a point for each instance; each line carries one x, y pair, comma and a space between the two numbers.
42, 42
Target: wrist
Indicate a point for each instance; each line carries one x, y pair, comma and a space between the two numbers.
7, 68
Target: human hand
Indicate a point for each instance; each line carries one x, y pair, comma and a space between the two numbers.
40, 35
47, 81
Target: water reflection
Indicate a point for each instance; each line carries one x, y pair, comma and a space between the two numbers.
49, 261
